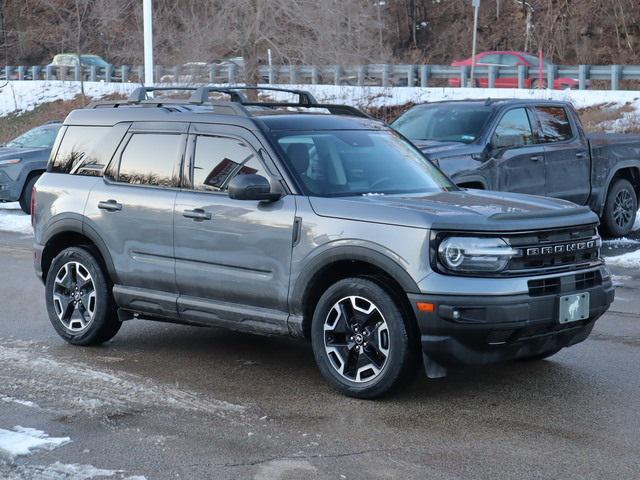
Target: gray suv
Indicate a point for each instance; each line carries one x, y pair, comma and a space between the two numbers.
313, 221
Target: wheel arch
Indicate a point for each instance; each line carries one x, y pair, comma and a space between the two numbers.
70, 233
630, 172
345, 262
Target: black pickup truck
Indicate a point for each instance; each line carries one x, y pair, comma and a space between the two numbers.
530, 146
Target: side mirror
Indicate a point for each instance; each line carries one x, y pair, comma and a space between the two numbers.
507, 141
251, 187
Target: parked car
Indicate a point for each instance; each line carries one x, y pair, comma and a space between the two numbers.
329, 227
530, 146
23, 160
513, 60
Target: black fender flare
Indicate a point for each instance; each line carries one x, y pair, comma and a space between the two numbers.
74, 223
309, 269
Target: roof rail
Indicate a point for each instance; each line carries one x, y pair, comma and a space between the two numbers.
305, 99
201, 95
140, 93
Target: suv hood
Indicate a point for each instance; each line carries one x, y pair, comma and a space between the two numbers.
436, 148
463, 210
14, 152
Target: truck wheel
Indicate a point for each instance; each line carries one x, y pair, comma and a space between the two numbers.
79, 300
27, 191
360, 339
620, 209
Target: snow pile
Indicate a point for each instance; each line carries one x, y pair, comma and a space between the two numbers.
21, 441
13, 219
628, 260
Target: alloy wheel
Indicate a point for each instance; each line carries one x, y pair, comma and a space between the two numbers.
74, 297
623, 208
356, 339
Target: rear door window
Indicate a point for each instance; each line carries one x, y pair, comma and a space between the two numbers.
219, 159
152, 159
554, 124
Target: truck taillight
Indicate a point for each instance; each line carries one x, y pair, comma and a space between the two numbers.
33, 207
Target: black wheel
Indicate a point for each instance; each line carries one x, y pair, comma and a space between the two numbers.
620, 209
540, 356
27, 191
360, 337
79, 300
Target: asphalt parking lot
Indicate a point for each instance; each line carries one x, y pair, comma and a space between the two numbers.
164, 401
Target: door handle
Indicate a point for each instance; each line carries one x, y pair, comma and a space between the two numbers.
197, 214
581, 155
536, 158
110, 206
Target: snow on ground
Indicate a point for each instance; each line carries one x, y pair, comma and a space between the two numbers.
24, 403
13, 219
23, 441
628, 260
20, 96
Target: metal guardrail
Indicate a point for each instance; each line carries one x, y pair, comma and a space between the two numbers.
361, 75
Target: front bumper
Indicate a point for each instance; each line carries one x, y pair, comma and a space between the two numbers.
490, 329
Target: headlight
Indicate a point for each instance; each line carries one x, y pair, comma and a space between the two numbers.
473, 254
9, 162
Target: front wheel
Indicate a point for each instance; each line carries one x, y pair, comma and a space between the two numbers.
79, 300
361, 340
620, 208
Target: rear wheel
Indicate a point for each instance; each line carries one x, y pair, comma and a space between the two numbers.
79, 300
360, 338
620, 209
27, 191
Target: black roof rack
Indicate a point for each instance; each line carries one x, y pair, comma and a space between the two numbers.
236, 106
140, 93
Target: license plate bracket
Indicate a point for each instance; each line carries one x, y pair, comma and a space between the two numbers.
574, 308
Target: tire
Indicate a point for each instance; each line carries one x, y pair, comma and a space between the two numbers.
27, 191
76, 274
370, 353
540, 356
620, 209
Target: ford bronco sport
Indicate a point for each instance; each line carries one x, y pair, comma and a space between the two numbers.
308, 220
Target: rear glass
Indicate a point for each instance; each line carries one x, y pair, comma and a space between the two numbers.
87, 150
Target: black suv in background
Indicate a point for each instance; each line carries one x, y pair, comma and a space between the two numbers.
530, 146
307, 220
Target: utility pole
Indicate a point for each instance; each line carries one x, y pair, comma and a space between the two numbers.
476, 6
147, 15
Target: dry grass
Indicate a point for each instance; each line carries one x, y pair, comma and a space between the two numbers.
596, 118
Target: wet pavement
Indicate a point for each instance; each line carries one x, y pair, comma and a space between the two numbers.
166, 401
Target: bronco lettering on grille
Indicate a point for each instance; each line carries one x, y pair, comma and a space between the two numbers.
560, 249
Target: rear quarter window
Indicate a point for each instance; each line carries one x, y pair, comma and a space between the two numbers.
86, 150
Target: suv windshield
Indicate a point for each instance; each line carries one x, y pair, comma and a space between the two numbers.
39, 137
359, 162
453, 123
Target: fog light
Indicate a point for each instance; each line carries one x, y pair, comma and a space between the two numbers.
456, 315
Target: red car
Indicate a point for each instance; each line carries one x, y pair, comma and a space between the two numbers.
512, 59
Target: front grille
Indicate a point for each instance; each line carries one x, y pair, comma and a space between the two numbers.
565, 284
554, 250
